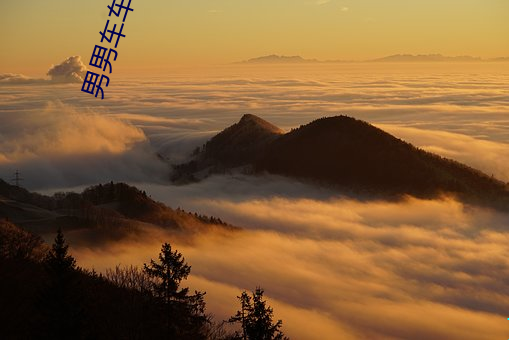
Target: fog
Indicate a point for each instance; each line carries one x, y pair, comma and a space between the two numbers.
423, 269
331, 265
458, 111
61, 145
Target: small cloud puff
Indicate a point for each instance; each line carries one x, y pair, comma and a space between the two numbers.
69, 71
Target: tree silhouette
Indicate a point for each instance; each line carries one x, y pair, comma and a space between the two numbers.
185, 318
255, 318
61, 298
58, 259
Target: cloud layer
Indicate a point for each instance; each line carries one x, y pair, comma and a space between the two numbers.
419, 103
420, 269
485, 155
65, 146
339, 268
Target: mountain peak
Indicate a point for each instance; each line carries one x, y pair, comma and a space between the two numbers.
279, 59
242, 142
249, 117
237, 145
255, 122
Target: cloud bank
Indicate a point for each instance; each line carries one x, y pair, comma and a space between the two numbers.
17, 78
182, 110
487, 156
65, 146
340, 268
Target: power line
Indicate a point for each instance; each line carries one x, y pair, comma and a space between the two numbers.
17, 178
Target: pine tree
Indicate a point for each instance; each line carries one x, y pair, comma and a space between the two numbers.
58, 260
255, 318
185, 316
241, 316
61, 298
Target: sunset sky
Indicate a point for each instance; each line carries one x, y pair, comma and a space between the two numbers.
164, 34
379, 265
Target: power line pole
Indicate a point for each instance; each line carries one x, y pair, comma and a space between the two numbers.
17, 178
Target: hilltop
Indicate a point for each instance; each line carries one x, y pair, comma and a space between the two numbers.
344, 153
116, 209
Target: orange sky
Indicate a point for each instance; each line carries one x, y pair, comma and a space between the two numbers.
165, 34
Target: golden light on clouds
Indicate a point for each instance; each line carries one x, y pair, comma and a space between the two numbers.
331, 264
419, 269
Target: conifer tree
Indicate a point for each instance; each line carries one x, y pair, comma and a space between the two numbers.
185, 316
255, 318
61, 298
58, 260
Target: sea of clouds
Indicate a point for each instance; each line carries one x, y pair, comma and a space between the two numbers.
337, 268
331, 266
458, 111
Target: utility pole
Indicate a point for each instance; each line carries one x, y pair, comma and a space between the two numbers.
17, 178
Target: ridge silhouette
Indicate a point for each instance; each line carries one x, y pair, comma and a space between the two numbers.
344, 153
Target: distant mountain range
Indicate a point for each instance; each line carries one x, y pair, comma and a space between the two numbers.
397, 58
276, 59
344, 153
426, 58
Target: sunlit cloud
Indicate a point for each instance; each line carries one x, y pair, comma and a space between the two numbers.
344, 264
488, 156
17, 78
60, 130
63, 145
178, 113
434, 269
71, 69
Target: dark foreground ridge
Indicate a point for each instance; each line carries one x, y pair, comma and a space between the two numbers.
44, 294
348, 154
116, 209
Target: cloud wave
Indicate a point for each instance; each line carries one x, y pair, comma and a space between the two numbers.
420, 269
64, 146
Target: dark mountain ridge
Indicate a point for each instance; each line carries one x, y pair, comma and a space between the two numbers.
117, 208
234, 147
352, 156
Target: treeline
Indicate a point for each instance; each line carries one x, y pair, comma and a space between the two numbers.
114, 207
44, 294
203, 218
